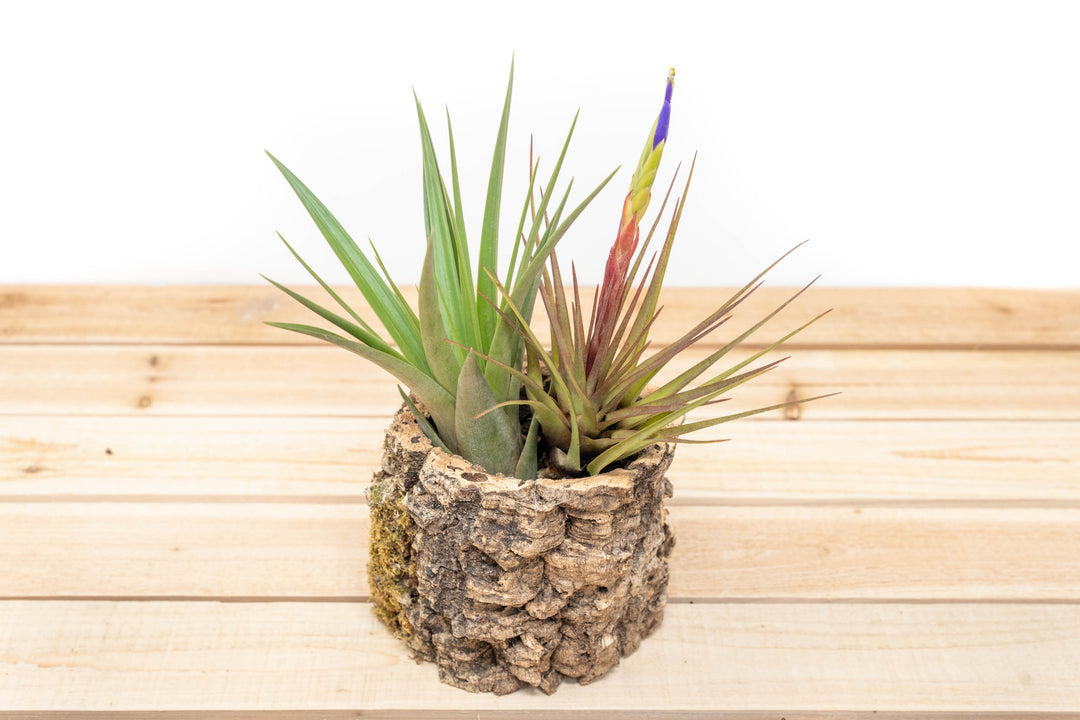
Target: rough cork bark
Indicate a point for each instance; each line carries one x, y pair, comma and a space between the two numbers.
505, 583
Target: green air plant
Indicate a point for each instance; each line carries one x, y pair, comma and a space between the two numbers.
591, 393
459, 354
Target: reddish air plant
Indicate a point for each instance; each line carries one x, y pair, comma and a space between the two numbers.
591, 395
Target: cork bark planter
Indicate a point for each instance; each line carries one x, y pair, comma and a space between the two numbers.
505, 583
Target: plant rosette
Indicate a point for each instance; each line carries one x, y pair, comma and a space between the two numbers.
518, 528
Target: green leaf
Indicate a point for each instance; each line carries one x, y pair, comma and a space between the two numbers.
543, 404
656, 403
524, 283
329, 290
518, 244
558, 382
489, 236
553, 295
440, 225
461, 243
466, 291
625, 388
556, 217
362, 334
389, 281
699, 368
489, 439
527, 463
562, 365
434, 396
675, 432
442, 357
661, 427
398, 318
505, 345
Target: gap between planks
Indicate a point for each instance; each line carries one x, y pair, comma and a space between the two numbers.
631, 714
365, 600
1034, 503
547, 714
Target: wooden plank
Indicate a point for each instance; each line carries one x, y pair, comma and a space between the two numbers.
178, 550
868, 660
249, 550
839, 553
964, 317
1002, 462
188, 457
208, 380
905, 550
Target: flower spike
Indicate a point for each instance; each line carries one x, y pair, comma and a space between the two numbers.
600, 382
626, 241
645, 173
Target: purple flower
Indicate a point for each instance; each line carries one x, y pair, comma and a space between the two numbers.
665, 113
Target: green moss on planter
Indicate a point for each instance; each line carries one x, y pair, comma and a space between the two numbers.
391, 570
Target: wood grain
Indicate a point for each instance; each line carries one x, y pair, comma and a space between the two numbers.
888, 317
322, 380
331, 459
768, 659
183, 527
290, 551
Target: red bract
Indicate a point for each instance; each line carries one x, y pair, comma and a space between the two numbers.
613, 289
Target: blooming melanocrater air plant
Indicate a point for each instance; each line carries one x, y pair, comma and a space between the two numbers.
483, 384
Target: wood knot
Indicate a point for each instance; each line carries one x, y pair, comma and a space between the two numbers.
793, 409
13, 299
144, 402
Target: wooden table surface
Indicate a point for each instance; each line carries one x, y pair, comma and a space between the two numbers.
183, 525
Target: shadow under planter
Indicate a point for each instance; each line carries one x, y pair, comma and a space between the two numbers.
505, 583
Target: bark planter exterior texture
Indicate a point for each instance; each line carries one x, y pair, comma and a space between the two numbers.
505, 583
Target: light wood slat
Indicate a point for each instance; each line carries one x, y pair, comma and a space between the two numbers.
234, 314
207, 380
177, 550
762, 659
251, 550
908, 549
765, 462
882, 553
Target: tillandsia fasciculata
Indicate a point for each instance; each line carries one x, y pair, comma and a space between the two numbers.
458, 354
590, 392
470, 357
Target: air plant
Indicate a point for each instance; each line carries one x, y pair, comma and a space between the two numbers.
590, 395
459, 355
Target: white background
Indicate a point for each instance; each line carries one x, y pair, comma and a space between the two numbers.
914, 143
